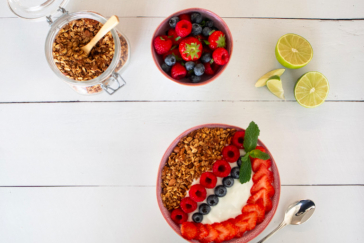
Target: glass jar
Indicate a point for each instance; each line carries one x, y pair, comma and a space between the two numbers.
110, 80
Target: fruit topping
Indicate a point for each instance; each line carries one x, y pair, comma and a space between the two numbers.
189, 230
263, 170
188, 205
197, 217
262, 197
228, 181
197, 193
202, 232
173, 21
221, 168
196, 18
212, 234
208, 69
221, 56
251, 219
263, 182
166, 68
259, 208
217, 39
235, 172
206, 31
199, 69
231, 153
208, 180
196, 29
178, 71
223, 232
241, 225
170, 60
220, 191
230, 226
212, 200
189, 65
204, 209
179, 216
162, 44
183, 28
206, 57
190, 49
256, 163
238, 139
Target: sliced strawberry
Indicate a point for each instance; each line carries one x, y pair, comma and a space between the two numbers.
262, 197
231, 228
223, 232
260, 148
263, 183
241, 225
188, 230
263, 170
251, 219
213, 234
259, 208
202, 231
256, 163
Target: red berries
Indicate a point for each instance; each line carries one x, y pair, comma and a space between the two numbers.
197, 193
178, 216
208, 69
221, 56
238, 139
190, 49
188, 205
208, 180
231, 153
162, 44
183, 28
178, 71
221, 168
189, 230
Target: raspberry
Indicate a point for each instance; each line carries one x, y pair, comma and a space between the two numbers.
208, 180
238, 139
231, 153
179, 216
220, 56
185, 17
178, 71
197, 193
221, 168
208, 69
183, 28
188, 205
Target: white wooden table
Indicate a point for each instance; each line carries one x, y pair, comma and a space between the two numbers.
83, 169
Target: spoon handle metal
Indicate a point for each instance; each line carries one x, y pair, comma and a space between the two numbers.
273, 232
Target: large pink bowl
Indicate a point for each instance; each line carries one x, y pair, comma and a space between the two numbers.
250, 234
218, 22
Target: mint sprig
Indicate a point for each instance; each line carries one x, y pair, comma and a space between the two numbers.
256, 153
245, 169
251, 137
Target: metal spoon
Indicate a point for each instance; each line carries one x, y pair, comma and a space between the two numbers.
297, 213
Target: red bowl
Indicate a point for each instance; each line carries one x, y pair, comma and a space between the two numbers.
250, 235
218, 22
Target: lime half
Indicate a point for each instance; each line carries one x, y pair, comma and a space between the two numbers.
274, 84
293, 51
311, 89
263, 80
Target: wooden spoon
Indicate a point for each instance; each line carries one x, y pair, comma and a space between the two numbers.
109, 25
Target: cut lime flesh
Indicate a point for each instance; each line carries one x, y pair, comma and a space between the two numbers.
263, 80
274, 85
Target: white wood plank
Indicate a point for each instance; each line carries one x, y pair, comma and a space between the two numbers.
131, 214
122, 143
236, 8
338, 54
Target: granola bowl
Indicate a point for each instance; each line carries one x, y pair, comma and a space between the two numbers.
219, 23
247, 236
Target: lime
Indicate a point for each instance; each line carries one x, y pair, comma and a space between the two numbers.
311, 89
293, 51
274, 84
263, 80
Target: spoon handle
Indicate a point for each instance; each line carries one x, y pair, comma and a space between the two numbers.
273, 232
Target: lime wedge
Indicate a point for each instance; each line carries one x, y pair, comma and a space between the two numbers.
311, 89
293, 51
274, 84
263, 80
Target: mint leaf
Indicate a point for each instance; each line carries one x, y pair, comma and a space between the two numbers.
256, 153
251, 137
245, 169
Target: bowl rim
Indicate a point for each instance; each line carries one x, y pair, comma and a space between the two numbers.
275, 200
231, 43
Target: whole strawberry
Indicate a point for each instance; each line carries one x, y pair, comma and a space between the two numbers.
162, 44
220, 56
217, 39
178, 71
183, 28
190, 49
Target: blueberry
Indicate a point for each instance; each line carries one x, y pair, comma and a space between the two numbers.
235, 172
173, 21
220, 191
212, 200
196, 18
239, 162
204, 209
228, 181
189, 66
206, 57
206, 31
195, 79
170, 60
197, 217
199, 69
166, 68
209, 23
196, 29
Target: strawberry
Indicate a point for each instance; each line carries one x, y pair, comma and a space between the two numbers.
238, 139
221, 56
217, 39
188, 205
174, 52
174, 37
208, 69
185, 17
263, 182
263, 170
197, 193
162, 44
251, 219
260, 148
189, 230
256, 163
241, 225
178, 216
190, 49
183, 28
202, 231
178, 71
230, 226
223, 232
262, 197
213, 234
208, 180
259, 208
230, 153
221, 168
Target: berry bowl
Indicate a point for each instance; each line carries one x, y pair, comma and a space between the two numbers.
197, 44
245, 235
